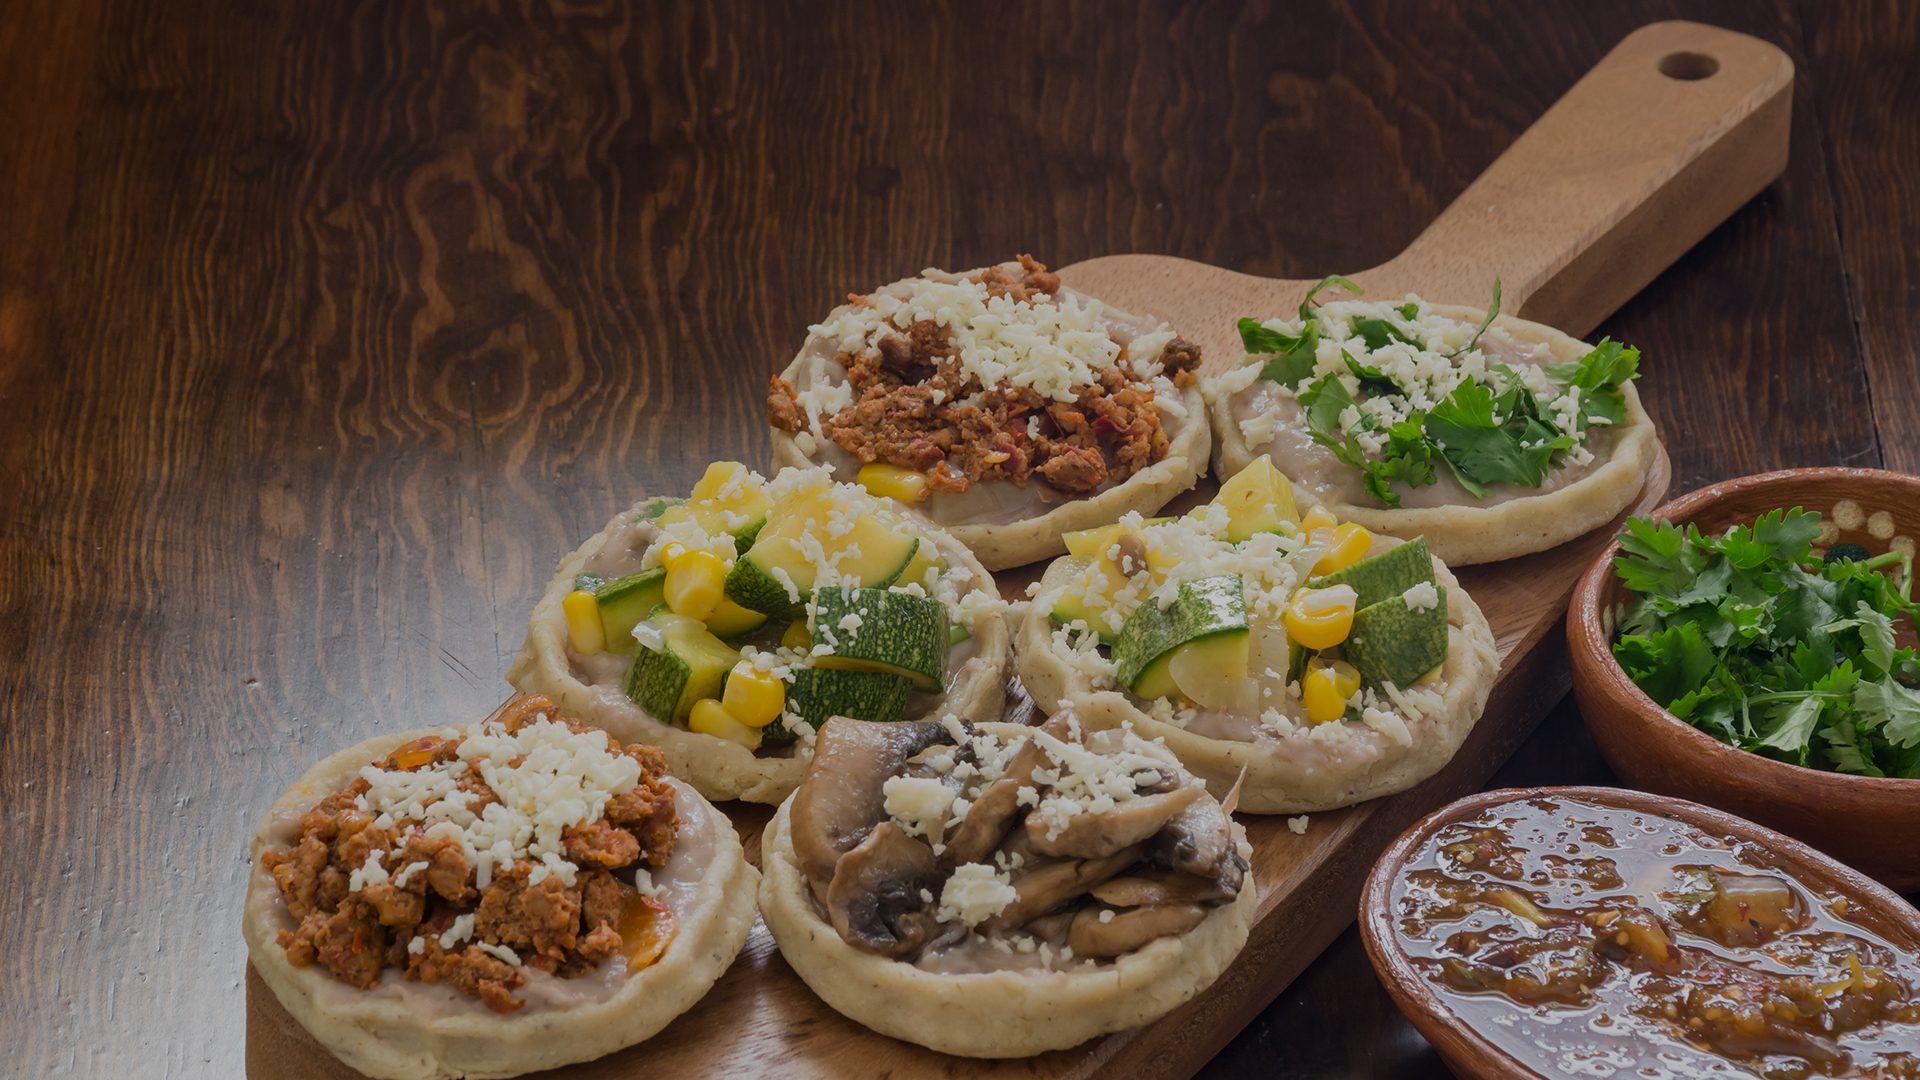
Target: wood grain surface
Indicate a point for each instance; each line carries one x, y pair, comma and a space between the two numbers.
298, 302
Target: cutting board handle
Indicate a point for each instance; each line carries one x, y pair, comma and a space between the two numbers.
1673, 130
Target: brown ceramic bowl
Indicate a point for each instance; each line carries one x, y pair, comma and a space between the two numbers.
1466, 1050
1853, 818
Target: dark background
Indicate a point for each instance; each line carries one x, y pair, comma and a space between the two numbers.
326, 328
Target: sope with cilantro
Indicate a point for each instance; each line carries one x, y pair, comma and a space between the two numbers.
1489, 435
1764, 643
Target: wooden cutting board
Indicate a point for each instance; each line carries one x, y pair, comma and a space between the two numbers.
1674, 129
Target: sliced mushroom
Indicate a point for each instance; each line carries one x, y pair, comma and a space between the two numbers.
1195, 841
1092, 836
1150, 887
993, 810
1051, 928
841, 798
1051, 884
1129, 930
875, 899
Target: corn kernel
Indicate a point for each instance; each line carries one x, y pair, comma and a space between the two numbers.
893, 482
584, 628
710, 718
729, 619
671, 551
1320, 618
1317, 517
797, 636
1348, 545
1325, 688
752, 696
696, 583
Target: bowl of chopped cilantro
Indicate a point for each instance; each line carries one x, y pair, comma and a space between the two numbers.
1751, 645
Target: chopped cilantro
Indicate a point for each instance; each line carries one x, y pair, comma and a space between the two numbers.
1293, 355
1753, 639
1490, 429
1379, 333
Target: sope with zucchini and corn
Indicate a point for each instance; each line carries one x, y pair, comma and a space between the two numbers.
727, 626
1331, 663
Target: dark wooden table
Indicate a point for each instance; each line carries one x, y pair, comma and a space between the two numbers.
325, 328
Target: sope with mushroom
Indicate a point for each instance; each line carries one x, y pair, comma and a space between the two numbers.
976, 887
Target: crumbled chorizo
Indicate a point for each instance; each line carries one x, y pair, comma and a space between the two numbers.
552, 926
914, 409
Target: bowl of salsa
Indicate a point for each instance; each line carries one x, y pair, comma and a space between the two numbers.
1588, 931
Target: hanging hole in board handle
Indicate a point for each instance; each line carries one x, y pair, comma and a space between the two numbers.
1688, 66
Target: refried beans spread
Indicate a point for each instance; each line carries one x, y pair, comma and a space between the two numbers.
916, 408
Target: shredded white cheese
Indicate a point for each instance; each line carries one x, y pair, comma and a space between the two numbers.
498, 952
919, 804
461, 930
547, 777
974, 893
1054, 344
1421, 597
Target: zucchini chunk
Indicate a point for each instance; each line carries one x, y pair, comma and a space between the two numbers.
681, 663
1387, 574
877, 630
1392, 643
625, 602
1205, 608
795, 539
821, 693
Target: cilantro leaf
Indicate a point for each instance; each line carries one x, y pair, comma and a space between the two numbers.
1293, 354
1409, 310
1848, 750
1407, 458
1789, 533
1667, 665
1893, 709
1324, 401
1876, 638
1599, 375
1373, 381
1260, 339
1794, 721
1481, 446
1658, 559
1306, 305
1379, 333
1608, 364
1493, 310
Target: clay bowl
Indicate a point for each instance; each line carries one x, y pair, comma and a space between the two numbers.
1465, 1049
1852, 818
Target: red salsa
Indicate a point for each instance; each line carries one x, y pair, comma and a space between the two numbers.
1588, 940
